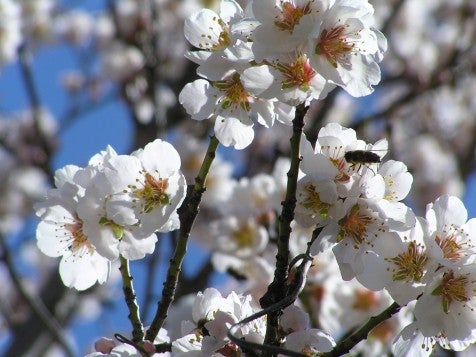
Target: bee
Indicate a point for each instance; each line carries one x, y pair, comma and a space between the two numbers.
358, 158
361, 157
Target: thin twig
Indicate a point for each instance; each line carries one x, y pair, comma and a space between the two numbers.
130, 297
292, 292
197, 282
346, 345
76, 111
35, 304
24, 59
187, 213
151, 50
393, 15
276, 289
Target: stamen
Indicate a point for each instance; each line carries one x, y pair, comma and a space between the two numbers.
452, 288
410, 265
223, 38
335, 46
153, 193
354, 225
291, 15
234, 93
313, 202
297, 74
78, 241
244, 236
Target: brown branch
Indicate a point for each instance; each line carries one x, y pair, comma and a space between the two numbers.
34, 303
347, 344
277, 289
187, 214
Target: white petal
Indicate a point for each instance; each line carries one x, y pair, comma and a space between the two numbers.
258, 79
199, 99
52, 237
202, 29
160, 156
264, 112
230, 9
83, 272
133, 249
232, 132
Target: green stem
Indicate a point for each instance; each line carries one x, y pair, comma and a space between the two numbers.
346, 345
187, 214
130, 297
277, 289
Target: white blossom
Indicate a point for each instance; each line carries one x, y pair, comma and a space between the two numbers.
10, 31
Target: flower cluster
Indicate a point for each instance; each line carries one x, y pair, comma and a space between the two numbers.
240, 227
213, 315
381, 249
257, 64
260, 62
377, 239
110, 208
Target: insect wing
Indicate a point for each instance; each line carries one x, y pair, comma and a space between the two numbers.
380, 146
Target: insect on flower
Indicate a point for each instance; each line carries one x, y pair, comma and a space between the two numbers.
359, 158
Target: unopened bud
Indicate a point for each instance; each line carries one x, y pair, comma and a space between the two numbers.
104, 345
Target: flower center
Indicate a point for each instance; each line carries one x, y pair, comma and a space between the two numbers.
334, 45
384, 331
317, 292
117, 230
193, 163
342, 166
308, 351
153, 194
244, 236
313, 203
223, 38
365, 300
290, 15
409, 265
230, 349
334, 153
234, 93
297, 74
354, 225
452, 288
450, 247
79, 241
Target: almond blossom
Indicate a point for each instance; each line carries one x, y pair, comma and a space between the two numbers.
346, 48
60, 233
451, 237
131, 198
233, 108
213, 314
111, 207
10, 30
